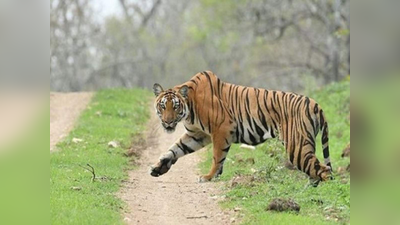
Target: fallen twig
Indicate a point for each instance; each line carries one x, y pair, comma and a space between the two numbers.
196, 217
90, 170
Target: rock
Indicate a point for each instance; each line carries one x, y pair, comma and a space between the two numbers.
76, 188
237, 209
280, 205
241, 180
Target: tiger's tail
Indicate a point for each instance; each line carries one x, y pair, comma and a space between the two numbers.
325, 139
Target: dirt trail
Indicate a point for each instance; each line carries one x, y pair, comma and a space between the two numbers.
64, 110
175, 197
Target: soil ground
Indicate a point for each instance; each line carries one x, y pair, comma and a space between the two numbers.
64, 110
175, 197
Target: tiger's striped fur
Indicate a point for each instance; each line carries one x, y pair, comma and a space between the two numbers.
223, 113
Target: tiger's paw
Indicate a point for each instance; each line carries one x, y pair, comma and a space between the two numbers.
203, 179
161, 167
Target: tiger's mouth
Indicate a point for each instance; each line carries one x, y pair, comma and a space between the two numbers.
169, 128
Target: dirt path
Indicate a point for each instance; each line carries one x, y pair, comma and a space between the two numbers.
174, 198
64, 110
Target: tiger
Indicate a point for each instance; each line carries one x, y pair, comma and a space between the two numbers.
213, 111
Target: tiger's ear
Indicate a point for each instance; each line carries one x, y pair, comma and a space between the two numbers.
184, 91
157, 89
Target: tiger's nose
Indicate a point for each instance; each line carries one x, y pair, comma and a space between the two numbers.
169, 123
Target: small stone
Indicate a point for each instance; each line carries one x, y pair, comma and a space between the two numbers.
237, 209
247, 146
113, 144
127, 219
76, 188
233, 220
77, 140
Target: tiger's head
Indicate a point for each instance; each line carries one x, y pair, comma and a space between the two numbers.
171, 106
320, 173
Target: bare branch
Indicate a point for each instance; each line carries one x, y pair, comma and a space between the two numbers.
151, 13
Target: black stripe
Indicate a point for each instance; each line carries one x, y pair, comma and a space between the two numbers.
226, 141
260, 113
201, 124
191, 113
219, 87
325, 138
209, 80
307, 157
198, 140
252, 138
237, 134
222, 160
186, 148
173, 153
299, 153
326, 152
317, 168
181, 148
291, 155
266, 101
226, 149
188, 129
309, 116
321, 118
259, 131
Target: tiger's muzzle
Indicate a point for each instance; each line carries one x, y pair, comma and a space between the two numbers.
169, 126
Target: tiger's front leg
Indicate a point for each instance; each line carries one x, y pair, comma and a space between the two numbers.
188, 143
221, 146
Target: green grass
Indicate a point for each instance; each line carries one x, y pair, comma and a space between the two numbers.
113, 115
329, 203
